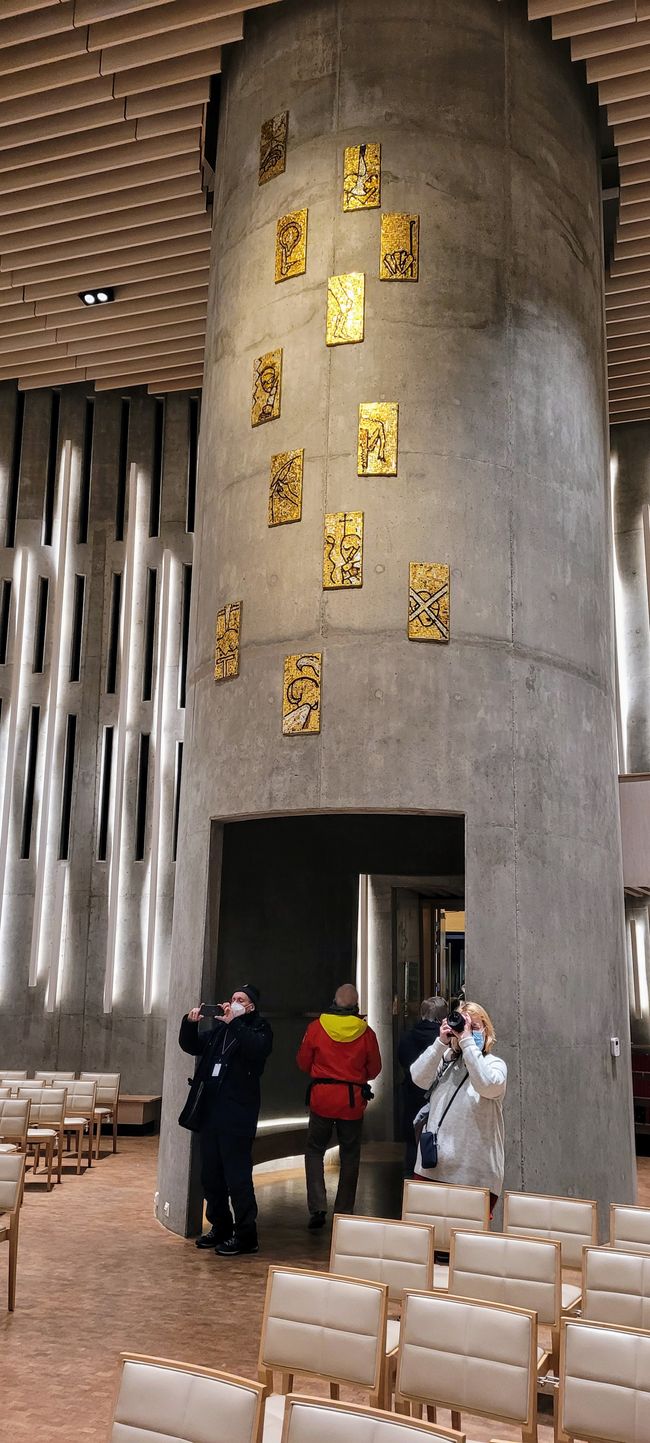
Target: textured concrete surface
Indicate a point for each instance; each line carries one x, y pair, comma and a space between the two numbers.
496, 358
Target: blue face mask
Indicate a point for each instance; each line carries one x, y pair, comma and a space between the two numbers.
479, 1040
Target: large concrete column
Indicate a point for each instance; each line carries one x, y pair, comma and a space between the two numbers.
496, 359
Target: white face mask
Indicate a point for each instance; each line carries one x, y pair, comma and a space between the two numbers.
237, 1009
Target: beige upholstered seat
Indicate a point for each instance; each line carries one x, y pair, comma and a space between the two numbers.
108, 1097
616, 1287
6, 1091
445, 1207
52, 1078
12, 1077
473, 1356
184, 1404
80, 1114
397, 1253
12, 1179
570, 1221
519, 1272
46, 1126
604, 1383
629, 1228
14, 1121
312, 1420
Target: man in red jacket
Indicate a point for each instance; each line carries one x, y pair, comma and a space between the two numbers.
341, 1054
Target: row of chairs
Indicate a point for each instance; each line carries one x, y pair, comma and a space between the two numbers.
61, 1106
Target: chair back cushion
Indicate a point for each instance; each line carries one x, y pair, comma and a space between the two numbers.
616, 1287
446, 1206
82, 1099
157, 1401
12, 1172
312, 1420
604, 1383
466, 1355
399, 1254
630, 1228
108, 1086
53, 1077
572, 1222
518, 1272
48, 1105
13, 1077
328, 1326
14, 1118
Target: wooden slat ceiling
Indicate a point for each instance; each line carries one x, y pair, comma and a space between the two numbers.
103, 183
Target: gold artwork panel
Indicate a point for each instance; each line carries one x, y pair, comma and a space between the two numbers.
285, 487
226, 649
267, 388
428, 601
273, 147
301, 694
400, 248
362, 177
343, 550
291, 245
345, 308
377, 445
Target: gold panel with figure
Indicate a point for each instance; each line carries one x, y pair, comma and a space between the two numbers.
345, 308
377, 445
226, 648
400, 248
267, 388
285, 487
291, 245
301, 694
343, 550
273, 147
362, 177
428, 601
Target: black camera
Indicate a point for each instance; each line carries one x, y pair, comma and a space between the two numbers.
456, 1021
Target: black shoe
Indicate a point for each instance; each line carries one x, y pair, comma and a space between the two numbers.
210, 1240
317, 1220
233, 1248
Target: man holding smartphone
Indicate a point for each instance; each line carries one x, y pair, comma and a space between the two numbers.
232, 1044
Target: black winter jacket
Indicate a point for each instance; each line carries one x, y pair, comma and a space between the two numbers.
411, 1045
231, 1100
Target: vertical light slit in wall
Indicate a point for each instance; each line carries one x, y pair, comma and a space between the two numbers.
121, 470
113, 632
155, 495
50, 475
40, 626
14, 471
86, 468
192, 461
157, 785
149, 632
66, 789
105, 794
22, 576
120, 750
5, 610
141, 797
177, 797
185, 634
30, 783
77, 627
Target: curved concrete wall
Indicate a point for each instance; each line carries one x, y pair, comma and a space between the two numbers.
496, 359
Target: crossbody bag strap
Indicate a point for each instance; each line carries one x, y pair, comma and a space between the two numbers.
453, 1095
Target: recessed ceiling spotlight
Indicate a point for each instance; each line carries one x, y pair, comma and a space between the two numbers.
100, 297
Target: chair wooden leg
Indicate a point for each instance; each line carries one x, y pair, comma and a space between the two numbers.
49, 1161
90, 1142
59, 1157
13, 1262
79, 1137
115, 1130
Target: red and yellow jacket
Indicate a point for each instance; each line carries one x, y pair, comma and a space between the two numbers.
339, 1046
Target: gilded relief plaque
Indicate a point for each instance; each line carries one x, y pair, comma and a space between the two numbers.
428, 601
400, 248
301, 694
343, 550
362, 177
226, 650
267, 387
285, 487
291, 245
377, 445
345, 308
273, 146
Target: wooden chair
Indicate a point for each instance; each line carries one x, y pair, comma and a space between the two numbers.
12, 1079
517, 1272
468, 1356
313, 1420
80, 1114
396, 1253
108, 1097
325, 1327
616, 1287
570, 1221
14, 1122
157, 1398
12, 1180
445, 1206
46, 1126
629, 1228
54, 1079
604, 1394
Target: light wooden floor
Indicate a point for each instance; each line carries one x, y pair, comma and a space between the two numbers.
98, 1275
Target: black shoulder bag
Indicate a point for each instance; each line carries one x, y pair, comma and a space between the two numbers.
429, 1140
191, 1116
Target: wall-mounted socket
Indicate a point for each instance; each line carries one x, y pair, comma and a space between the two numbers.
615, 1046
166, 1210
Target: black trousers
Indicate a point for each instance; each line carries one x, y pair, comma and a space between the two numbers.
348, 1136
227, 1179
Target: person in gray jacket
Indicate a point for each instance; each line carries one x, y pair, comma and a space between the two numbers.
470, 1137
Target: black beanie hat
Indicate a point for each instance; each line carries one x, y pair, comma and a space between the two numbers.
252, 993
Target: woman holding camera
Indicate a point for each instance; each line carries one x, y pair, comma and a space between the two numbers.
463, 1118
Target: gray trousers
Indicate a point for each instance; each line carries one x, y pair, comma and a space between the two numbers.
348, 1136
